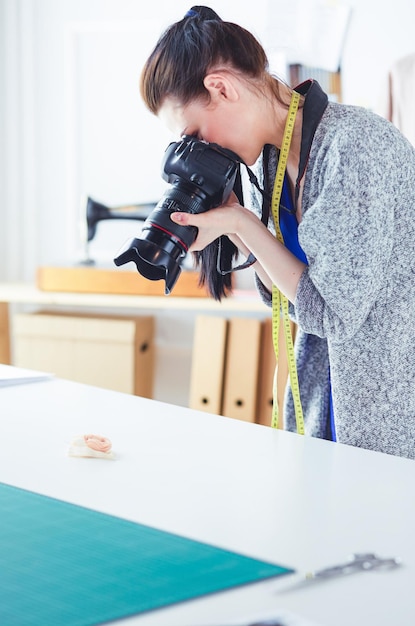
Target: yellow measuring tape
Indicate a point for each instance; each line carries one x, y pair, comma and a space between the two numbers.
279, 300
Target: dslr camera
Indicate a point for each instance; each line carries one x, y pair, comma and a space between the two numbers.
201, 177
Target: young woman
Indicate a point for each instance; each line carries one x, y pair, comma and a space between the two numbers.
347, 210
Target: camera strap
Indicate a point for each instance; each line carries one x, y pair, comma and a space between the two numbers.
280, 306
251, 259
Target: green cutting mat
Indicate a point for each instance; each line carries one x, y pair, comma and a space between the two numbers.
66, 565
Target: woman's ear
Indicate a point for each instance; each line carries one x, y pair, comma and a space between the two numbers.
221, 87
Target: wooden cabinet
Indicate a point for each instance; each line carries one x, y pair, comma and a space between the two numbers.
114, 353
4, 333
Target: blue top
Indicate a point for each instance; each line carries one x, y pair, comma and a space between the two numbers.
289, 231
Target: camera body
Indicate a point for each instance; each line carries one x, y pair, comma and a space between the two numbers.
201, 177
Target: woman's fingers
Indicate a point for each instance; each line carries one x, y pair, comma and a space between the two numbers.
184, 219
223, 220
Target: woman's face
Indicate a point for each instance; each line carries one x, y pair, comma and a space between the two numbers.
231, 124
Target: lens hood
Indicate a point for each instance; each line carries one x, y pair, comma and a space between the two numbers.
152, 261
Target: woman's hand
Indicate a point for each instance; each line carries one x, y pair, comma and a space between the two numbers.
275, 263
223, 220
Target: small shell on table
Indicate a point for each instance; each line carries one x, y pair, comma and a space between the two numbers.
94, 446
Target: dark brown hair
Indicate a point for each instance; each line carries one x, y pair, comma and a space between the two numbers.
188, 49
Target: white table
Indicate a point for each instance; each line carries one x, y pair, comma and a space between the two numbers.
281, 497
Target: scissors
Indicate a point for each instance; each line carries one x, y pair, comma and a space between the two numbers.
358, 563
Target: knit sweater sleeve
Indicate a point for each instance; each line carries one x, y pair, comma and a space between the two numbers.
348, 222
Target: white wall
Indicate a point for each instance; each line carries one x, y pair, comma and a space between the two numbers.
380, 33
72, 121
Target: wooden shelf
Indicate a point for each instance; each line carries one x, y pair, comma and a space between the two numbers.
27, 293
90, 279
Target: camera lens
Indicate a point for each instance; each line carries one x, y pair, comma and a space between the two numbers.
163, 244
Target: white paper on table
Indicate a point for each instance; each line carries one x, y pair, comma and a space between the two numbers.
11, 375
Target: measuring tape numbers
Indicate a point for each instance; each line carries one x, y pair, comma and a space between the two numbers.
280, 306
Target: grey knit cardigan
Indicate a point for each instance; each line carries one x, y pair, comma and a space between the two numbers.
355, 304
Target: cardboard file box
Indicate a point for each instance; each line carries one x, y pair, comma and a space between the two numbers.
208, 364
111, 352
242, 364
